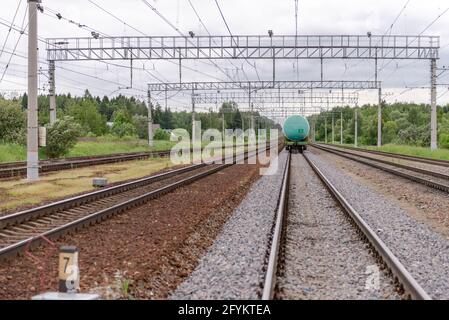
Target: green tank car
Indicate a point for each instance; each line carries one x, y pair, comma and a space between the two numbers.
296, 131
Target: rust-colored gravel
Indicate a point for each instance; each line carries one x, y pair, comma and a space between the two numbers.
423, 203
146, 252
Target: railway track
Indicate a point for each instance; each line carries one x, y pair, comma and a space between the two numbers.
436, 180
404, 278
436, 162
19, 169
31, 227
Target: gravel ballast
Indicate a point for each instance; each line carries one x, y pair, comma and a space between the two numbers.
324, 257
410, 163
233, 267
422, 251
422, 203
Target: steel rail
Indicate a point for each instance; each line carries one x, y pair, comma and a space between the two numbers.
69, 159
76, 160
402, 166
17, 169
26, 215
22, 216
393, 263
426, 182
10, 170
436, 162
104, 213
270, 275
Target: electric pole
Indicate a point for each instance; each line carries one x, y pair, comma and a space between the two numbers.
379, 119
150, 120
325, 128
333, 137
355, 127
32, 122
379, 107
51, 80
433, 105
341, 127
194, 137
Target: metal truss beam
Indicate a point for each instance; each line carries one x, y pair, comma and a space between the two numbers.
259, 85
245, 47
281, 97
277, 113
295, 110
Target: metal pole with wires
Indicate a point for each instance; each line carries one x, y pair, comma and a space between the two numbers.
150, 120
379, 119
313, 127
193, 115
32, 110
433, 105
273, 53
355, 127
251, 107
333, 136
379, 107
52, 95
180, 67
341, 126
296, 39
341, 115
325, 128
223, 122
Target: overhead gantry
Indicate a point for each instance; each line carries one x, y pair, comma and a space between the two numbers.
211, 91
271, 47
300, 98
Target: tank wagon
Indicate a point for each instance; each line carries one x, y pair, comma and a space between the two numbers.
296, 132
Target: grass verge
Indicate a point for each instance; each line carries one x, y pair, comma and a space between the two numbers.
440, 154
20, 193
10, 152
90, 147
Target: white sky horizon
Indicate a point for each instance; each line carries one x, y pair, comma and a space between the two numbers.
243, 17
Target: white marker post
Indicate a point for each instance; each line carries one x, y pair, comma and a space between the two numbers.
69, 278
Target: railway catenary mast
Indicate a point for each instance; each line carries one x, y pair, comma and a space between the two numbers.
32, 111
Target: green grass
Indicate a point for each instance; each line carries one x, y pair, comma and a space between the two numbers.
12, 152
90, 147
17, 193
102, 146
440, 154
99, 146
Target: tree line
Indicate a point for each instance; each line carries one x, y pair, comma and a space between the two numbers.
402, 123
120, 116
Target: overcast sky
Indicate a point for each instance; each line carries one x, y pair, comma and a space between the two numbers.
244, 17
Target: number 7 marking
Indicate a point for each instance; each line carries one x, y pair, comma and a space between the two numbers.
67, 259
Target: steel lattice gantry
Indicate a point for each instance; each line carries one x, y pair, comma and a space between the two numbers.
259, 85
245, 47
251, 88
262, 92
299, 98
421, 47
275, 98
